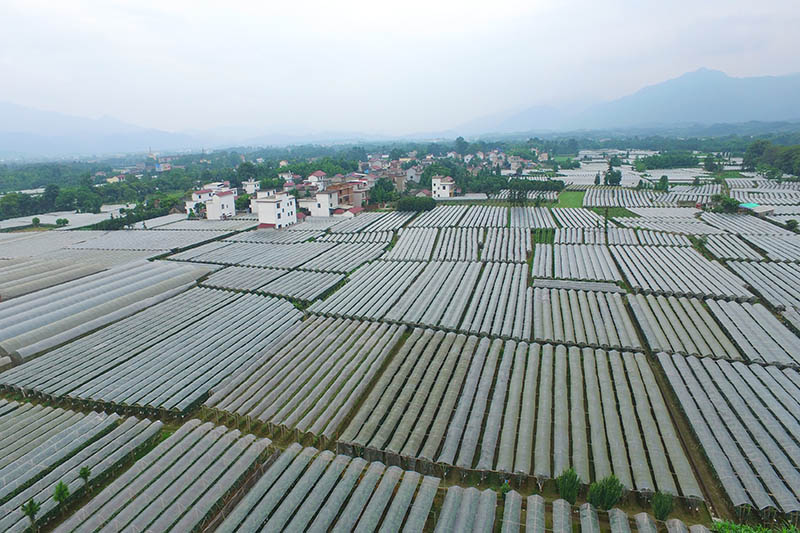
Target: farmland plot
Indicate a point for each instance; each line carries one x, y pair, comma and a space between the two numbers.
233, 224
414, 244
371, 291
166, 357
746, 419
502, 302
360, 222
467, 510
576, 217
509, 245
43, 319
743, 224
308, 490
243, 278
677, 271
42, 446
438, 296
621, 197
315, 224
586, 318
777, 283
262, 255
681, 325
532, 217
430, 405
730, 247
458, 244
275, 236
441, 216
311, 378
175, 487
778, 247
656, 238
574, 261
372, 236
670, 224
146, 240
485, 216
760, 336
345, 257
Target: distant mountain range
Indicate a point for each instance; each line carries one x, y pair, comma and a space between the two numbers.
699, 99
702, 97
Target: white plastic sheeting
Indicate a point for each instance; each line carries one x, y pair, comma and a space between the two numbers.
166, 357
177, 486
41, 320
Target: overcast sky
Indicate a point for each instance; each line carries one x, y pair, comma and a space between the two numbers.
368, 65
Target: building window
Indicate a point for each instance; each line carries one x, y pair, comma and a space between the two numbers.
279, 216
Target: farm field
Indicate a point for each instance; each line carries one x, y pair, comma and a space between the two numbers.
402, 371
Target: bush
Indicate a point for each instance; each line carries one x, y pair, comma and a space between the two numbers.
662, 505
791, 225
36, 222
415, 203
568, 484
605, 494
505, 488
62, 222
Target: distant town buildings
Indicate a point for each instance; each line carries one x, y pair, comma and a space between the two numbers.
223, 208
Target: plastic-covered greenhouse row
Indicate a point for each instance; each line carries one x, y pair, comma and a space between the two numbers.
677, 271
311, 378
485, 216
166, 357
778, 247
42, 446
777, 283
730, 247
745, 417
620, 197
413, 244
508, 245
441, 216
532, 217
534, 515
670, 224
274, 236
258, 255
178, 486
574, 261
575, 217
453, 401
43, 319
307, 490
494, 299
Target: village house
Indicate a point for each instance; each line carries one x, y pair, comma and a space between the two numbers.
251, 186
443, 187
221, 206
276, 211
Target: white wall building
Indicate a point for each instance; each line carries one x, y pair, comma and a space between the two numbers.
221, 205
327, 201
260, 194
208, 191
443, 187
277, 211
251, 186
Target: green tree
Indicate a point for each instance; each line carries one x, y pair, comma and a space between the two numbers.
461, 146
35, 221
61, 494
710, 163
606, 493
597, 179
396, 153
60, 222
31, 509
663, 184
383, 191
791, 225
615, 161
85, 473
662, 505
568, 484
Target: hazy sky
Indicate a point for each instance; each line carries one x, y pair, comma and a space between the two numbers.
372, 66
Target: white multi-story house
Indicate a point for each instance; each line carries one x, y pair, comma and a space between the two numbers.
260, 194
277, 211
221, 205
443, 187
327, 202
